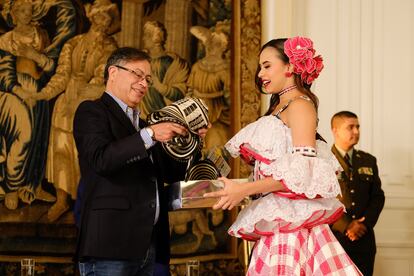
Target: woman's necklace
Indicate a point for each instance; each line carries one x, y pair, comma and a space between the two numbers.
287, 89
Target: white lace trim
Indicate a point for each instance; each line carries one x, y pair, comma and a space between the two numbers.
266, 210
271, 139
310, 176
266, 136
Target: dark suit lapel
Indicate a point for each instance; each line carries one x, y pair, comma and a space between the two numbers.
142, 123
341, 161
117, 111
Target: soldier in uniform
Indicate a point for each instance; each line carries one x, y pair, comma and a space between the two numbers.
361, 193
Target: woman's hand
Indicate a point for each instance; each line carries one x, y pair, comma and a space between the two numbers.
232, 194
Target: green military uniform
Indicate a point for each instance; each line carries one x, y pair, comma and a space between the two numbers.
363, 197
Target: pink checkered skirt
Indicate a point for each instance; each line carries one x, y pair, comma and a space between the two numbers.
313, 251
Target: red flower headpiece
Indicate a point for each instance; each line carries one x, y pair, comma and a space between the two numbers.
301, 55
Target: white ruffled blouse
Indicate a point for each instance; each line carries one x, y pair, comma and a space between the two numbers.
311, 182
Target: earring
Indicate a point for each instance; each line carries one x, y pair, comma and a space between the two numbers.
288, 74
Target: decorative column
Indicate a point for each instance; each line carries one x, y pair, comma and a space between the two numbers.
131, 25
177, 21
245, 37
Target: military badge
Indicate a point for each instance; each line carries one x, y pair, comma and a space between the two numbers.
365, 170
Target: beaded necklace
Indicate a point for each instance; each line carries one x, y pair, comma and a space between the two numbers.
287, 89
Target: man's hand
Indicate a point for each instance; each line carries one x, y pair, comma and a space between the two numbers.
202, 132
164, 132
230, 196
356, 229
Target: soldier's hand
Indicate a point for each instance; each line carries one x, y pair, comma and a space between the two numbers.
356, 229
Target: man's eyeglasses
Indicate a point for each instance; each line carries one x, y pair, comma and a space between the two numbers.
138, 73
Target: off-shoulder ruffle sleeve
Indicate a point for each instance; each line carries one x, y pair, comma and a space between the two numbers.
308, 176
268, 141
267, 136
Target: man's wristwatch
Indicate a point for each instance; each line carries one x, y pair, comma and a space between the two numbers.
151, 133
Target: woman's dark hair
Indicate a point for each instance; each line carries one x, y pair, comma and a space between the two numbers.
278, 45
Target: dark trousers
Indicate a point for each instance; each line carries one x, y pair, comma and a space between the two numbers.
362, 252
104, 267
364, 261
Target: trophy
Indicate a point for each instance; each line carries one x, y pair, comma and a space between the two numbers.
189, 194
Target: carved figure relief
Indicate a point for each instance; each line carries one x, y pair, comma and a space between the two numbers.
250, 43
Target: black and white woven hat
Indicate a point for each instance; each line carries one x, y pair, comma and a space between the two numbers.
191, 113
202, 170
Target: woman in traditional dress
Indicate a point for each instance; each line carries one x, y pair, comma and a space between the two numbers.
294, 185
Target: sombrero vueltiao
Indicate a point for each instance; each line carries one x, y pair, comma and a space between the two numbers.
191, 113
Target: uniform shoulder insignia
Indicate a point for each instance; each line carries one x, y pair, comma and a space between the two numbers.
365, 159
361, 153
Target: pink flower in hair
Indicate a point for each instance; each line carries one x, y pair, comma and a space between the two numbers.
301, 55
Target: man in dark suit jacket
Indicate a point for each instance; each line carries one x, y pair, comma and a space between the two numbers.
124, 218
361, 193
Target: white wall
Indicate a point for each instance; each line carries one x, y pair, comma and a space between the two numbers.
368, 51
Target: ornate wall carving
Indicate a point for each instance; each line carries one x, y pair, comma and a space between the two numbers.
246, 100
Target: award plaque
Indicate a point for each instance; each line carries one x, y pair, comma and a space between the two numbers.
189, 194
